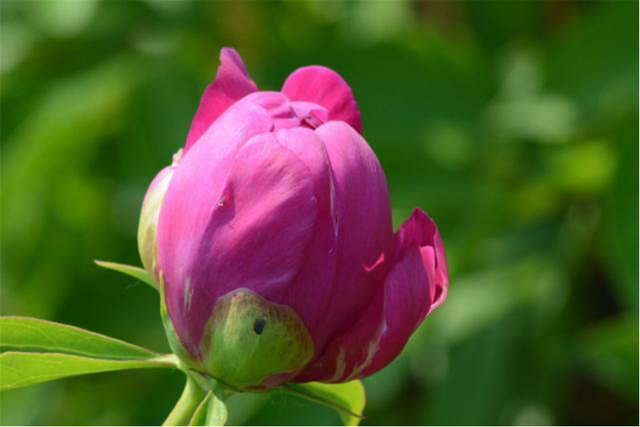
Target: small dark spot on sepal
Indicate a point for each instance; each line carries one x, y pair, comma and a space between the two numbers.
258, 326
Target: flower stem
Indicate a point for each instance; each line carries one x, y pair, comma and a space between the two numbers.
191, 397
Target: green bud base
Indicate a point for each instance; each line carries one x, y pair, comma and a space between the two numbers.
249, 339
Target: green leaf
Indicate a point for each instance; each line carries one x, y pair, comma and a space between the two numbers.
21, 369
186, 406
346, 398
212, 410
130, 270
609, 351
29, 334
216, 408
199, 417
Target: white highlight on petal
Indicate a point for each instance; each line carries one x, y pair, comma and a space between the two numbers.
176, 158
340, 367
332, 204
188, 293
372, 350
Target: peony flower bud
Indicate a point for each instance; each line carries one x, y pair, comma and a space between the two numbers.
147, 227
149, 219
274, 238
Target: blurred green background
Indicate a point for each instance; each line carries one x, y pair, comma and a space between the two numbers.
514, 124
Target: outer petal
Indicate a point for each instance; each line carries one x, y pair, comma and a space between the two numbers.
196, 187
310, 292
253, 237
150, 212
416, 283
362, 224
277, 106
231, 84
324, 87
198, 182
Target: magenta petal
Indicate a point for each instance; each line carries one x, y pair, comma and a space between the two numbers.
326, 88
254, 237
201, 175
198, 183
310, 291
420, 230
231, 84
195, 189
278, 106
363, 229
415, 284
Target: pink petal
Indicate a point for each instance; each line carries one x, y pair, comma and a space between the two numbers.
159, 179
278, 106
231, 84
254, 237
326, 88
363, 230
195, 188
202, 173
416, 283
258, 229
310, 114
310, 290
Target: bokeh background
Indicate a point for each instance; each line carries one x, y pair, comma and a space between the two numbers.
514, 124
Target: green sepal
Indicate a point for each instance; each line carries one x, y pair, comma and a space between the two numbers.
199, 416
348, 399
212, 410
248, 339
174, 342
130, 270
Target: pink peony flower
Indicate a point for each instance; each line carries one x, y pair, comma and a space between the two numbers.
275, 246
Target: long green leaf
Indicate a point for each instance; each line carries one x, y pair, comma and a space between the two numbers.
21, 369
130, 270
347, 398
26, 334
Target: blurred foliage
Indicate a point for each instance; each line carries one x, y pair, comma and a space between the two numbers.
514, 124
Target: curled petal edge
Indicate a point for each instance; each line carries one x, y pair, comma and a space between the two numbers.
416, 284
